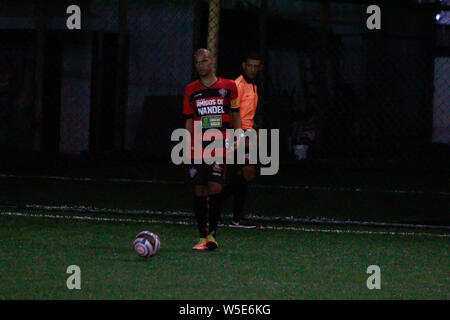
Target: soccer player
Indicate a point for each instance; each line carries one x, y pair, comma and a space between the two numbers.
248, 102
211, 101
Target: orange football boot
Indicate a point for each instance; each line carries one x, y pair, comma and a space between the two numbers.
211, 243
201, 245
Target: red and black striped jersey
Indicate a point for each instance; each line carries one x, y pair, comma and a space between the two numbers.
211, 106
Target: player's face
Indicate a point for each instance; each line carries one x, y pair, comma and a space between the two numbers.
204, 64
251, 68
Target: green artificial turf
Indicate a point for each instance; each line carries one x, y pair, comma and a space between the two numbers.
249, 264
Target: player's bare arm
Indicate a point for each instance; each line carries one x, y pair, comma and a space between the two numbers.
189, 125
236, 120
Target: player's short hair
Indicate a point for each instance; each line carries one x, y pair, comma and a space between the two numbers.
251, 55
202, 51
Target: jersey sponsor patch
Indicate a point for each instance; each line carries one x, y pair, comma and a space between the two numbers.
211, 122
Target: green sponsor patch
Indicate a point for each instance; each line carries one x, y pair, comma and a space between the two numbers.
212, 122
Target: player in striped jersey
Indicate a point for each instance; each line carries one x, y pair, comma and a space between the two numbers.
212, 102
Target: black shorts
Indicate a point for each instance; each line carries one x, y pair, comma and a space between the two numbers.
201, 174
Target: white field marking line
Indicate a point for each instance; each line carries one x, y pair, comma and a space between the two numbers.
348, 189
154, 221
90, 209
87, 218
287, 187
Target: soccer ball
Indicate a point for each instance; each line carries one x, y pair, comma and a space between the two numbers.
146, 244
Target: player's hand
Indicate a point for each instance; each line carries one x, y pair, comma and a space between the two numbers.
238, 142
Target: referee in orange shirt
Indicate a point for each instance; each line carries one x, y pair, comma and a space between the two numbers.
248, 103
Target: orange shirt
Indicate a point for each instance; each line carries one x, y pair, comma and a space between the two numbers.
248, 101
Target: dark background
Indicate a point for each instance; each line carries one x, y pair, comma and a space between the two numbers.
112, 91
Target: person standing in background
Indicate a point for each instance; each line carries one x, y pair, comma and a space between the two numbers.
248, 104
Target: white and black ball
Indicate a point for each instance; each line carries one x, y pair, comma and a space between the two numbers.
146, 244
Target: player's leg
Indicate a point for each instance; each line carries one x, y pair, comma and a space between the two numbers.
239, 190
249, 173
215, 182
239, 187
201, 208
227, 187
215, 205
198, 178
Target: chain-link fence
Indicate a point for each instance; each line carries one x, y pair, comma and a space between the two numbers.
160, 66
336, 90
441, 102
339, 91
379, 100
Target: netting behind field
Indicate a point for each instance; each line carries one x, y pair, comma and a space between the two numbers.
339, 91
335, 89
441, 105
160, 66
379, 99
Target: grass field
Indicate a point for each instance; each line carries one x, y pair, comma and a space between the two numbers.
47, 224
256, 264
